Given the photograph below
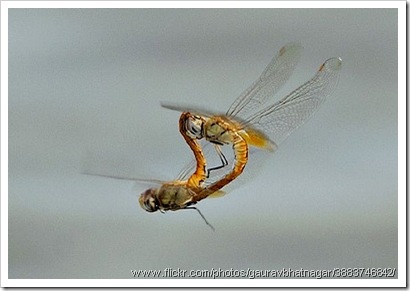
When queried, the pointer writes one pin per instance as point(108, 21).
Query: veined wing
point(284, 116)
point(272, 79)
point(280, 119)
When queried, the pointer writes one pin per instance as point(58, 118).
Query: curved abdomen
point(240, 148)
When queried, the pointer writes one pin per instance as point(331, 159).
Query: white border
point(4, 145)
point(202, 4)
point(204, 283)
point(400, 282)
point(401, 151)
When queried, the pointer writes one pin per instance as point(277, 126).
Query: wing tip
point(291, 48)
point(169, 105)
point(332, 64)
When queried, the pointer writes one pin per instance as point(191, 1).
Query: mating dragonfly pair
point(249, 121)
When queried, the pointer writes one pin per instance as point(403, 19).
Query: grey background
point(85, 84)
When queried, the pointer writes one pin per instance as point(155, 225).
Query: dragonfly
point(184, 191)
point(180, 193)
point(240, 127)
point(249, 122)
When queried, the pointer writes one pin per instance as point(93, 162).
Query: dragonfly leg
point(223, 160)
point(203, 217)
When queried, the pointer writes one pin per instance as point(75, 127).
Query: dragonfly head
point(149, 201)
point(194, 126)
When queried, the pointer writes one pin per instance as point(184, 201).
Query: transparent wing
point(187, 170)
point(121, 167)
point(138, 180)
point(284, 116)
point(187, 108)
point(272, 79)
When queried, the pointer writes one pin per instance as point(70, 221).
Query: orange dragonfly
point(240, 126)
point(184, 191)
point(249, 122)
point(181, 193)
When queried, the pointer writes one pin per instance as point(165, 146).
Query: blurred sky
point(86, 84)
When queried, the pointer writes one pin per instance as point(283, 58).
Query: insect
point(249, 122)
point(181, 193)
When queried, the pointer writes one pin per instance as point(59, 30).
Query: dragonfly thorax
point(174, 196)
point(219, 131)
point(170, 196)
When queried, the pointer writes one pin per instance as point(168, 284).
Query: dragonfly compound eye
point(194, 127)
point(148, 201)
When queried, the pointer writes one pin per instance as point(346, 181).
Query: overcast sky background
point(88, 83)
